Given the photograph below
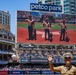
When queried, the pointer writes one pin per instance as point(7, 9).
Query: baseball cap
point(67, 55)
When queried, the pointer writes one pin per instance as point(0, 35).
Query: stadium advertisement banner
point(39, 61)
point(33, 72)
point(46, 7)
point(15, 72)
point(47, 72)
point(3, 72)
point(25, 60)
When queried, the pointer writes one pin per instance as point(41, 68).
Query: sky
point(12, 6)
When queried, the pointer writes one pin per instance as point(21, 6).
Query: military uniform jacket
point(65, 70)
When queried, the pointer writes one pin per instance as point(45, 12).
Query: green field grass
point(38, 25)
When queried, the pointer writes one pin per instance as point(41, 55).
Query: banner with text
point(16, 72)
point(46, 7)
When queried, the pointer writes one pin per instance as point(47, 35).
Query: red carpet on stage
point(22, 36)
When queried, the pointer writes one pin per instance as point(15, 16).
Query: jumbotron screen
point(45, 27)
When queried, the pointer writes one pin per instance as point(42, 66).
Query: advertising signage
point(46, 7)
point(16, 72)
point(47, 72)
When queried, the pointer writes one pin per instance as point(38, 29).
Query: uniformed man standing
point(31, 24)
point(63, 30)
point(47, 28)
point(66, 69)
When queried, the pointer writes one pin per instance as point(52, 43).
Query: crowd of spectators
point(5, 58)
point(73, 20)
point(7, 51)
point(40, 51)
point(7, 35)
point(38, 54)
point(68, 21)
point(23, 67)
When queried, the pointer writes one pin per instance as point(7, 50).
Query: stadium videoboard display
point(31, 27)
